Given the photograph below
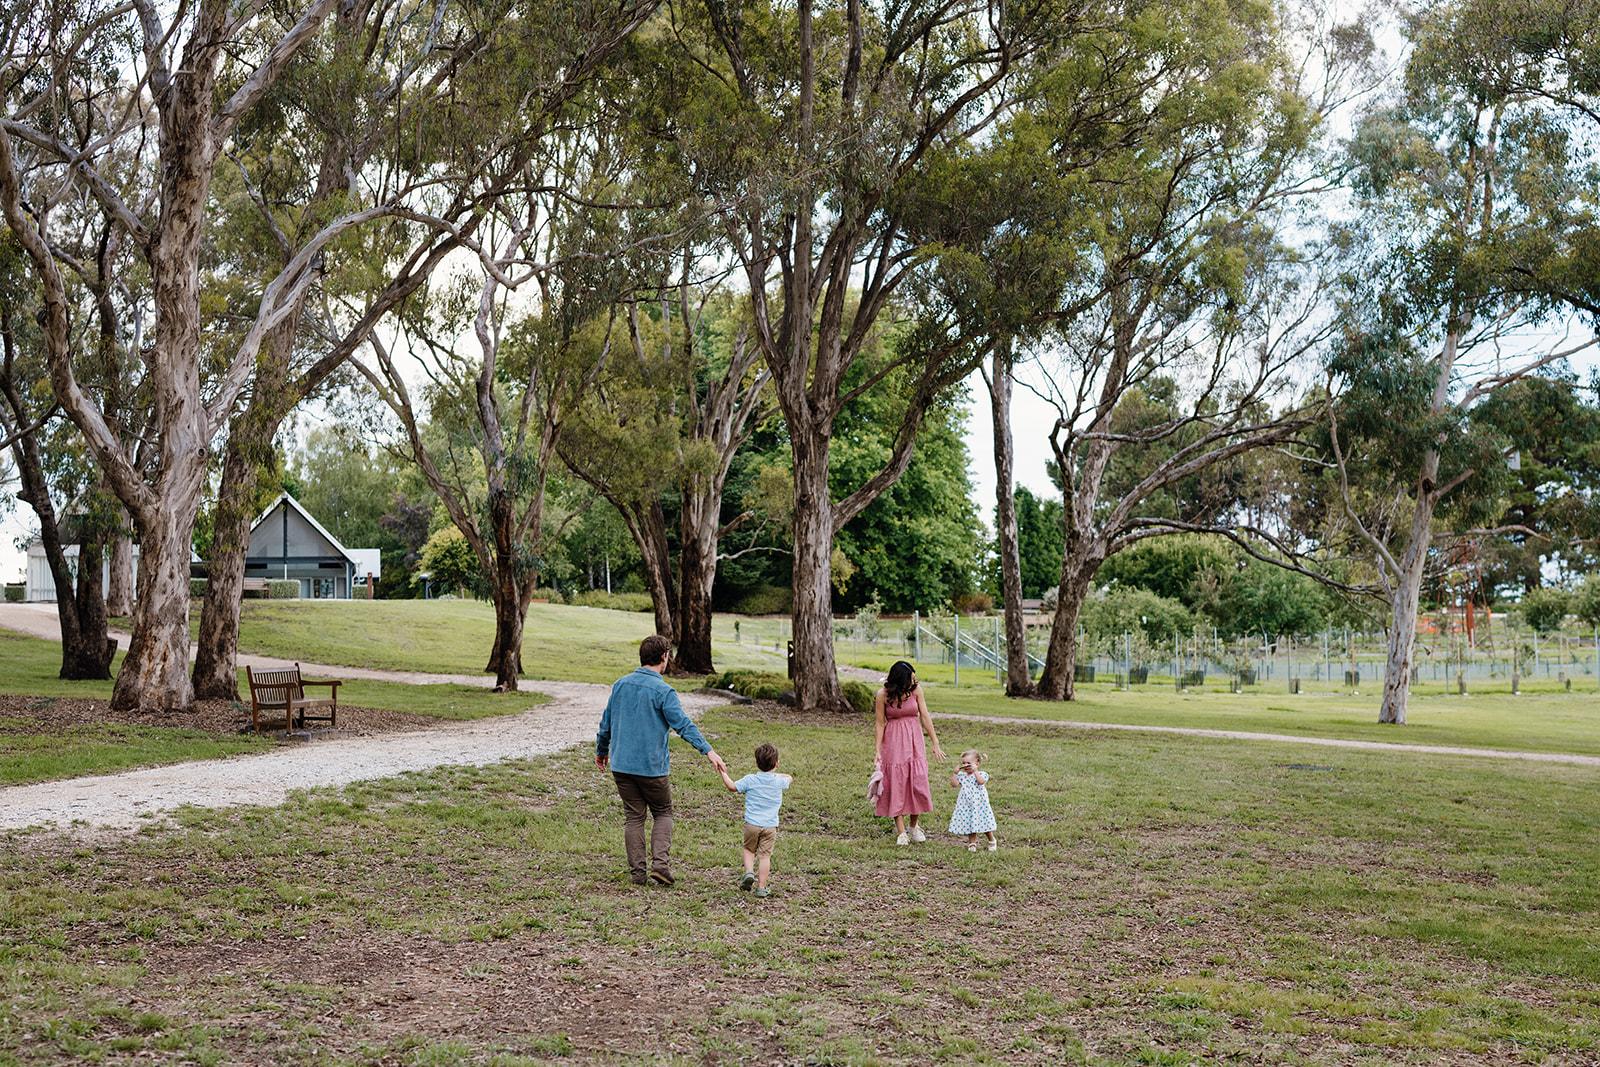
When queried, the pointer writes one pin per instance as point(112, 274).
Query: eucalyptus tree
point(434, 108)
point(499, 404)
point(667, 417)
point(1477, 207)
point(1177, 349)
point(48, 465)
point(807, 128)
point(168, 110)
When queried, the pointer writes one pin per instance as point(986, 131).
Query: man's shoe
point(902, 840)
point(763, 892)
point(638, 879)
point(917, 835)
point(747, 881)
point(662, 877)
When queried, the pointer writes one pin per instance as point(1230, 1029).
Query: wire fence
point(970, 650)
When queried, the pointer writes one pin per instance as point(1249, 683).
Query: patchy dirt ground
point(25, 714)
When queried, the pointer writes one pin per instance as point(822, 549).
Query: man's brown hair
point(653, 650)
point(767, 756)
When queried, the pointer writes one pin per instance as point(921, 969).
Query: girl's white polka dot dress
point(973, 815)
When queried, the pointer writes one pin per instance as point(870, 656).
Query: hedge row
point(277, 589)
point(15, 592)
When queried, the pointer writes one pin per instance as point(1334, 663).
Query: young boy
point(763, 796)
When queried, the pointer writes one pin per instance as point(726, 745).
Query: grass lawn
point(454, 637)
point(1541, 719)
point(29, 667)
point(1156, 900)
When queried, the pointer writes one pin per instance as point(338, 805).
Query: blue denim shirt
point(633, 730)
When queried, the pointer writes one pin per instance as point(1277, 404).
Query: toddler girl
point(973, 815)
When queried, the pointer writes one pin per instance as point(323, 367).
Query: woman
point(902, 716)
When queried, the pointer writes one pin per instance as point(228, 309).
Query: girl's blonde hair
point(977, 757)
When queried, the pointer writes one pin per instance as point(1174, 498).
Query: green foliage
point(450, 561)
point(15, 591)
point(758, 685)
point(973, 603)
point(765, 600)
point(1039, 541)
point(1544, 609)
point(860, 695)
point(918, 545)
point(1216, 581)
point(1552, 499)
point(1259, 598)
point(599, 598)
point(1171, 567)
point(197, 588)
point(283, 589)
point(1124, 610)
point(1586, 600)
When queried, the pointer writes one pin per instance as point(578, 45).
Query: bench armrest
point(334, 682)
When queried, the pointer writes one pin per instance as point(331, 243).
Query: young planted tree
point(811, 125)
point(1476, 199)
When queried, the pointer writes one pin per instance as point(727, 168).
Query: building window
point(322, 588)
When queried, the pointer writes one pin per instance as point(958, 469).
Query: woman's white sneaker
point(902, 840)
point(917, 835)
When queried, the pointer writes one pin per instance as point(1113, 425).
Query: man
point(632, 741)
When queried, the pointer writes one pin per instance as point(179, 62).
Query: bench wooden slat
point(283, 689)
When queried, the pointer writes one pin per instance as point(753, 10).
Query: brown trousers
point(639, 795)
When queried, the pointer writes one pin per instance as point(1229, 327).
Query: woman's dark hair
point(901, 683)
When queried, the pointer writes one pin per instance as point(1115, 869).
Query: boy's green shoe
point(763, 892)
point(748, 880)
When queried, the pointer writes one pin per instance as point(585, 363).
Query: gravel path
point(128, 800)
point(1292, 739)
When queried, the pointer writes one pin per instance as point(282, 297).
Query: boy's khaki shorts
point(760, 839)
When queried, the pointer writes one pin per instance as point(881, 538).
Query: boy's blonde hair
point(977, 757)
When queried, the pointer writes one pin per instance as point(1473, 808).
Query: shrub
point(868, 625)
point(15, 592)
point(758, 685)
point(197, 588)
point(974, 603)
point(283, 589)
point(550, 593)
point(1123, 610)
point(765, 600)
point(599, 598)
point(861, 696)
point(1586, 601)
point(1544, 609)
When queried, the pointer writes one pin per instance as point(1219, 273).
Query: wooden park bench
point(284, 690)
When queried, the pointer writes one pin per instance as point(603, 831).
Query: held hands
point(717, 762)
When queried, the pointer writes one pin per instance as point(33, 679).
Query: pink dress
point(905, 765)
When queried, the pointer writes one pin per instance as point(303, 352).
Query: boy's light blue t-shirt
point(763, 796)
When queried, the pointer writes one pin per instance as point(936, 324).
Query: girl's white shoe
point(994, 846)
point(902, 840)
point(917, 835)
point(972, 847)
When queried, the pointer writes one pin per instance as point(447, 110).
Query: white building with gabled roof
point(287, 542)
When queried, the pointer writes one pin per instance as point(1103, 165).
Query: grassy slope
point(30, 666)
point(1156, 900)
point(454, 637)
